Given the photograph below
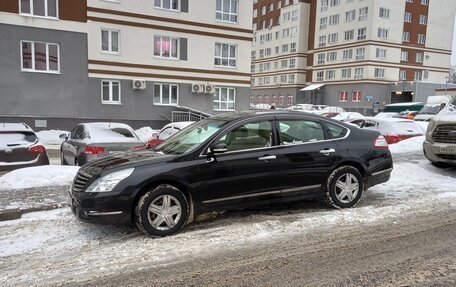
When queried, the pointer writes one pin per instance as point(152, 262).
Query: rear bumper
point(40, 160)
point(102, 208)
point(379, 177)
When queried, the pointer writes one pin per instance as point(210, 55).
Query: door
point(246, 172)
point(70, 147)
point(306, 155)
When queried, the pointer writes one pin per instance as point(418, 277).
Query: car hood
point(125, 160)
point(447, 115)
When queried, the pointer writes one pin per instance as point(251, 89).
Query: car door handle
point(267, 157)
point(328, 151)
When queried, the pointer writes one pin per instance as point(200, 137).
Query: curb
point(13, 214)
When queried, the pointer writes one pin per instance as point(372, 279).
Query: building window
point(347, 54)
point(166, 94)
point(323, 23)
point(290, 100)
point(402, 75)
point(421, 39)
point(291, 79)
point(349, 35)
point(321, 58)
point(283, 79)
point(424, 2)
point(330, 74)
point(322, 41)
point(362, 34)
point(379, 73)
point(224, 98)
point(346, 73)
point(253, 55)
point(284, 63)
point(227, 10)
point(380, 53)
point(294, 31)
point(404, 55)
point(292, 63)
point(384, 13)
point(167, 4)
point(406, 36)
point(267, 52)
point(418, 76)
point(294, 15)
point(334, 19)
point(324, 5)
point(343, 96)
point(225, 55)
point(166, 47)
point(419, 57)
point(363, 12)
point(320, 76)
point(333, 38)
point(40, 8)
point(332, 56)
point(286, 17)
point(40, 57)
point(285, 32)
point(359, 73)
point(360, 53)
point(285, 48)
point(423, 19)
point(292, 47)
point(382, 33)
point(110, 41)
point(110, 92)
point(350, 15)
point(408, 17)
point(334, 3)
point(356, 96)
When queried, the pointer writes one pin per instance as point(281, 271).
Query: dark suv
point(231, 161)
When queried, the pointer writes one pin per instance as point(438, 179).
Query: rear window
point(336, 131)
point(115, 133)
point(17, 138)
point(300, 131)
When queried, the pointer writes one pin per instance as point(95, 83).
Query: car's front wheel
point(162, 211)
point(440, 164)
point(344, 187)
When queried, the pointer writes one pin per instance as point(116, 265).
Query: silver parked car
point(90, 141)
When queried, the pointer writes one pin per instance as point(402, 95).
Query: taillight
point(37, 149)
point(393, 139)
point(94, 149)
point(380, 142)
point(140, 147)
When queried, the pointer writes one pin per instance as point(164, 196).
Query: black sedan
point(234, 160)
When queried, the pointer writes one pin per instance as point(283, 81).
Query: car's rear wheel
point(344, 187)
point(162, 211)
point(440, 164)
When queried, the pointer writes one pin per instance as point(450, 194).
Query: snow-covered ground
point(47, 175)
point(52, 246)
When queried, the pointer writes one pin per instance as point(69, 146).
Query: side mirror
point(218, 148)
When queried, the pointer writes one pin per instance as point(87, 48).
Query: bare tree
point(452, 75)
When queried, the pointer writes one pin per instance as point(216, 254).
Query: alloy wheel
point(164, 212)
point(347, 188)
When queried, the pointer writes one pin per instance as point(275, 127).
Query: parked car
point(385, 115)
point(167, 131)
point(393, 129)
point(20, 147)
point(432, 107)
point(233, 160)
point(440, 144)
point(400, 107)
point(90, 141)
point(330, 114)
point(409, 115)
point(346, 117)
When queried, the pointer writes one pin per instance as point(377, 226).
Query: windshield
point(430, 110)
point(191, 137)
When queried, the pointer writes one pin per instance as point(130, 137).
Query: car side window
point(300, 131)
point(336, 131)
point(249, 136)
point(74, 132)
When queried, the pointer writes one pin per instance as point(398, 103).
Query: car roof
point(231, 116)
point(179, 125)
point(106, 125)
point(17, 127)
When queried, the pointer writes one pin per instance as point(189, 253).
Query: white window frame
point(330, 74)
point(360, 56)
point(363, 16)
point(384, 13)
point(46, 12)
point(333, 38)
point(292, 63)
point(359, 73)
point(406, 36)
point(161, 103)
point(110, 101)
point(421, 39)
point(419, 57)
point(347, 54)
point(402, 74)
point(323, 23)
point(33, 70)
point(293, 47)
point(320, 75)
point(425, 2)
point(321, 58)
point(350, 15)
point(324, 4)
point(170, 48)
point(109, 51)
point(322, 41)
point(346, 73)
point(408, 17)
point(379, 73)
point(218, 92)
point(229, 58)
point(170, 5)
point(404, 55)
point(363, 35)
point(423, 20)
point(382, 33)
point(230, 13)
point(349, 35)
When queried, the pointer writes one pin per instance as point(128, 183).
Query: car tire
point(162, 211)
point(62, 159)
point(344, 187)
point(440, 164)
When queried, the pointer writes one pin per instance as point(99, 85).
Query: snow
point(51, 137)
point(411, 145)
point(145, 133)
point(29, 177)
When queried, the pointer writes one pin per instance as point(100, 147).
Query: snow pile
point(423, 125)
point(29, 177)
point(145, 133)
point(411, 145)
point(51, 137)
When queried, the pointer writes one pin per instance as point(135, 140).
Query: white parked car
point(345, 117)
point(166, 132)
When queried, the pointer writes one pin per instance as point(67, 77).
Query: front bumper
point(432, 152)
point(102, 208)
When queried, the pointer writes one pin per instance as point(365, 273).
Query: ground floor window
point(166, 94)
point(40, 57)
point(356, 96)
point(224, 98)
point(110, 92)
point(343, 96)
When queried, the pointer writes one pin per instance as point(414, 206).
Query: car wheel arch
point(153, 184)
point(354, 163)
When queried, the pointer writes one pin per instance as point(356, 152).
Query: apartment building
point(366, 51)
point(136, 61)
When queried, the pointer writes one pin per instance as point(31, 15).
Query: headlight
point(109, 181)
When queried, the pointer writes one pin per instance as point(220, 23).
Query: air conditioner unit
point(197, 88)
point(139, 84)
point(209, 88)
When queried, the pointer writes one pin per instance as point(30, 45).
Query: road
point(420, 251)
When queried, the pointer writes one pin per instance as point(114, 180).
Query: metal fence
point(178, 116)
